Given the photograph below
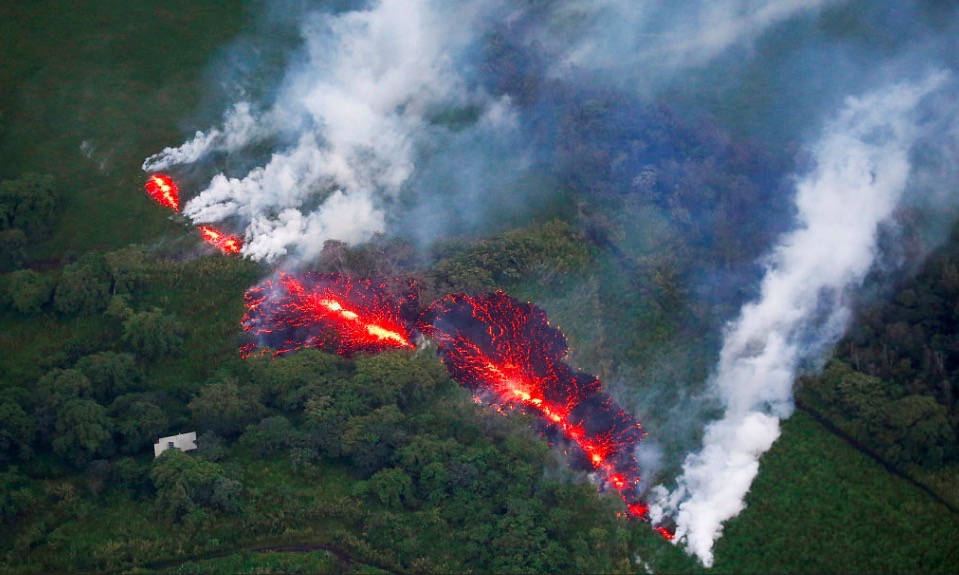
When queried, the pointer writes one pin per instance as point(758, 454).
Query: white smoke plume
point(239, 130)
point(862, 170)
point(355, 110)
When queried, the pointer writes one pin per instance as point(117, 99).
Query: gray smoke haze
point(646, 43)
point(428, 118)
point(375, 88)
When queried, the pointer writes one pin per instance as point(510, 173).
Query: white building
point(183, 442)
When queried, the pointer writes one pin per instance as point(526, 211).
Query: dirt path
point(858, 446)
point(346, 562)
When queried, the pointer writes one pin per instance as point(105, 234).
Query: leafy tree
point(433, 482)
point(186, 483)
point(83, 430)
point(519, 540)
point(182, 482)
point(226, 408)
point(29, 290)
point(139, 422)
point(393, 487)
point(911, 342)
point(910, 429)
point(99, 473)
point(423, 450)
point(210, 446)
point(370, 440)
point(289, 381)
point(65, 384)
point(153, 334)
point(13, 254)
point(550, 249)
point(129, 473)
point(110, 373)
point(305, 461)
point(393, 377)
point(127, 267)
point(920, 432)
point(323, 432)
point(227, 494)
point(17, 431)
point(28, 203)
point(860, 396)
point(16, 496)
point(269, 436)
point(84, 287)
point(119, 307)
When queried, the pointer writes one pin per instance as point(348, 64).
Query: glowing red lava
point(665, 533)
point(506, 352)
point(503, 350)
point(226, 244)
point(325, 311)
point(164, 191)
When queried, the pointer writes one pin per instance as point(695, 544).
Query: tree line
point(894, 381)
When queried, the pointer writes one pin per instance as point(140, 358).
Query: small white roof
point(182, 441)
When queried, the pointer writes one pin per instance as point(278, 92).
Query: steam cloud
point(863, 168)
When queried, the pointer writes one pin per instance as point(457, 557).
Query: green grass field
point(820, 506)
point(89, 89)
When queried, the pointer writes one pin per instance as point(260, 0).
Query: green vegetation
point(380, 460)
point(113, 332)
point(894, 384)
point(270, 561)
point(815, 495)
point(89, 89)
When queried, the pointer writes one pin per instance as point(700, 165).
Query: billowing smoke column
point(362, 97)
point(862, 170)
point(325, 311)
point(509, 356)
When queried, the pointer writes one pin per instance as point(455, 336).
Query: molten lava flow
point(227, 244)
point(665, 533)
point(503, 350)
point(325, 311)
point(164, 190)
point(509, 356)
